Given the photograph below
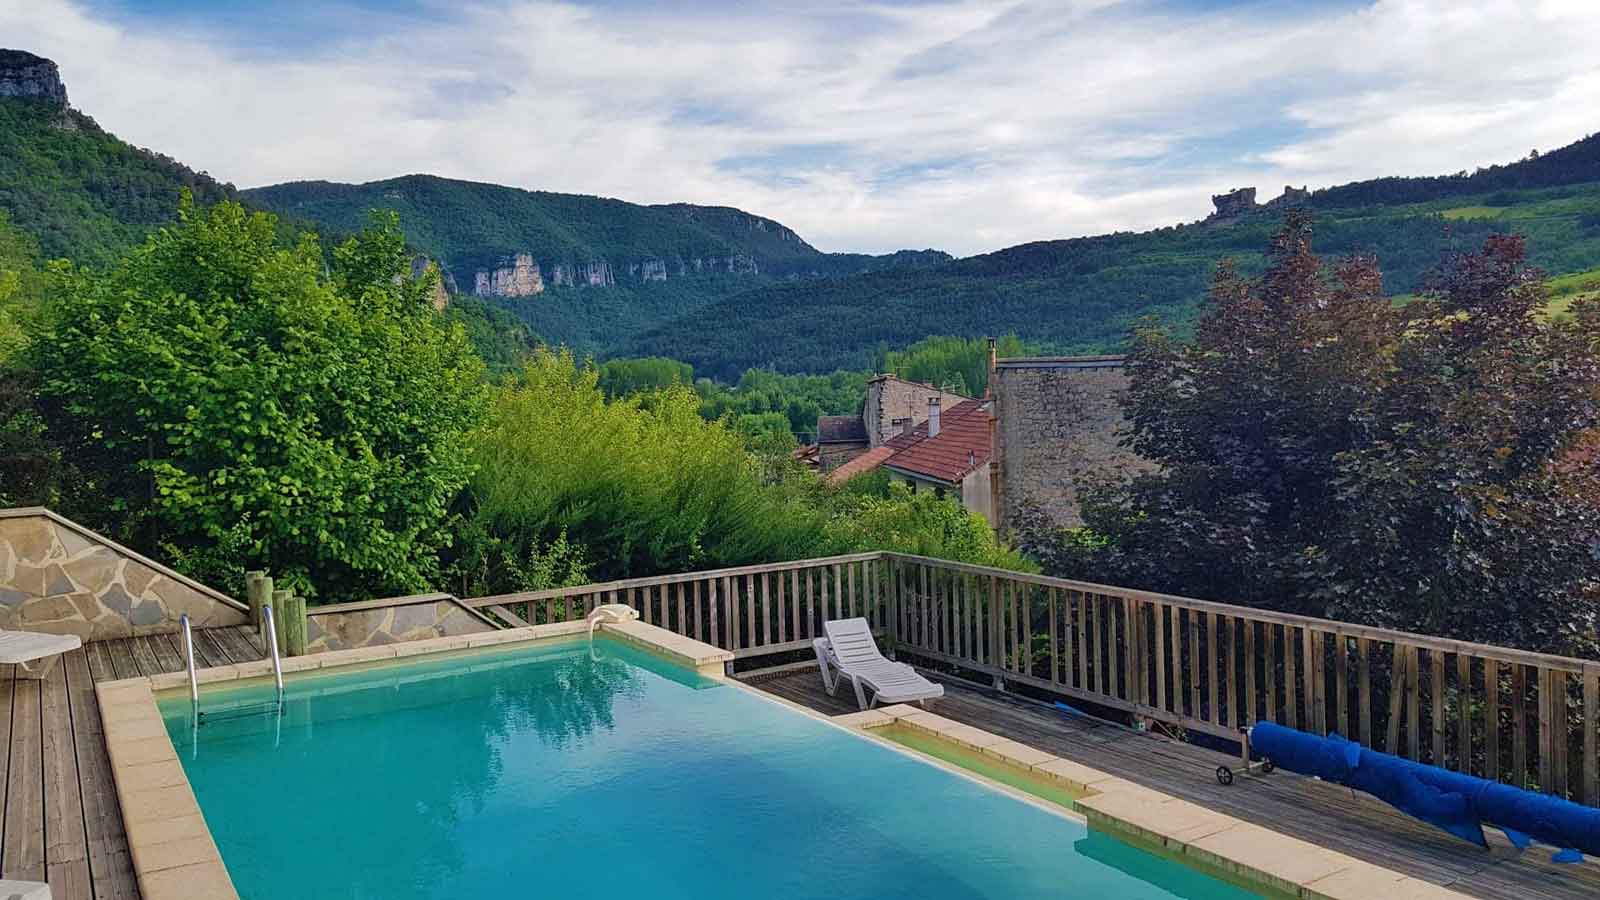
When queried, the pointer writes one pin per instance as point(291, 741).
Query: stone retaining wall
point(390, 621)
point(58, 577)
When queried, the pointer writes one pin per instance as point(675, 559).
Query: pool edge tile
point(170, 847)
point(1211, 839)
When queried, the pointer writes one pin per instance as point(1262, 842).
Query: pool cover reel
point(1459, 804)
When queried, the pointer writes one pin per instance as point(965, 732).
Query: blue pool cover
point(1459, 804)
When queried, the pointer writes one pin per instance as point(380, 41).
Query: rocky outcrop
point(1236, 203)
point(24, 75)
point(522, 276)
point(589, 274)
point(648, 270)
point(441, 291)
point(1291, 197)
point(1233, 204)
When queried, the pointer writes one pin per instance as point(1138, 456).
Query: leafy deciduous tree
point(246, 408)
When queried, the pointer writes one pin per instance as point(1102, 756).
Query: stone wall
point(890, 398)
point(1059, 419)
point(391, 621)
point(835, 454)
point(59, 577)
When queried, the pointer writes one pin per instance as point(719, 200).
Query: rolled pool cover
point(1459, 804)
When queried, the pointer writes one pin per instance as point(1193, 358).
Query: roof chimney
point(933, 417)
point(906, 424)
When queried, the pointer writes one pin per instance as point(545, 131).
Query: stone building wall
point(59, 577)
point(391, 621)
point(833, 455)
point(1058, 419)
point(890, 398)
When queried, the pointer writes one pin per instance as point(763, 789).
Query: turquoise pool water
point(545, 772)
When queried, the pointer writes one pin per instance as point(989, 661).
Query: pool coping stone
point(1188, 832)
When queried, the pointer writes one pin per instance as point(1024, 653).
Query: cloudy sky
point(967, 126)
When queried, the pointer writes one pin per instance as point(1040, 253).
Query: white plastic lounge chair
point(35, 652)
point(850, 649)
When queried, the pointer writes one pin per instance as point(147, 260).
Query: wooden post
point(294, 626)
point(265, 598)
point(280, 604)
point(253, 583)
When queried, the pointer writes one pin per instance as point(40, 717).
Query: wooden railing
point(752, 610)
point(1529, 719)
point(1523, 718)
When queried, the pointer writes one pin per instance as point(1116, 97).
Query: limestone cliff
point(24, 75)
point(518, 277)
point(442, 285)
point(523, 275)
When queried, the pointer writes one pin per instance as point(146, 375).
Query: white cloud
point(962, 125)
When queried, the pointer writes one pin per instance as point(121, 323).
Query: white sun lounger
point(850, 649)
point(24, 890)
point(33, 651)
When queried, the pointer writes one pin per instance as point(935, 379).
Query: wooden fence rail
point(1523, 718)
point(752, 610)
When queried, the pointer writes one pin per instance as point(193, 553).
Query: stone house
point(892, 401)
point(1058, 419)
point(948, 454)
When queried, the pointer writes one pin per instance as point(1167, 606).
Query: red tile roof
point(866, 462)
point(961, 445)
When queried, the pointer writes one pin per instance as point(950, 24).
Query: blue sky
point(963, 125)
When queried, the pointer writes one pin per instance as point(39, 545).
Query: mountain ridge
point(510, 242)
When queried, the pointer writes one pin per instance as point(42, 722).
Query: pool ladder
point(275, 706)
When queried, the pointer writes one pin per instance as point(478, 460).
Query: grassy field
point(1566, 289)
point(1473, 212)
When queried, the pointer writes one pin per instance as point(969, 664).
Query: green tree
point(1323, 452)
point(621, 377)
point(959, 365)
point(642, 482)
point(19, 288)
point(243, 407)
point(1464, 510)
point(920, 524)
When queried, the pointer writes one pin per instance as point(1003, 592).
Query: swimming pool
point(550, 770)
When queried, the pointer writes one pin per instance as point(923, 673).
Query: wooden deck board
point(1323, 814)
point(22, 856)
point(59, 817)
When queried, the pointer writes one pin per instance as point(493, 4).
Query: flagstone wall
point(390, 621)
point(59, 577)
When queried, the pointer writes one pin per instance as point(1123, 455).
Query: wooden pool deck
point(1323, 814)
point(61, 822)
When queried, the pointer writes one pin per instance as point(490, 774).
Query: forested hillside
point(1083, 295)
point(588, 272)
point(81, 192)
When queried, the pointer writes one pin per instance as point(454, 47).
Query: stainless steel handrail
point(188, 649)
point(272, 644)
